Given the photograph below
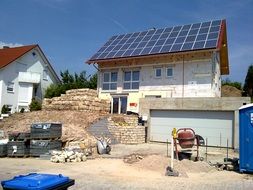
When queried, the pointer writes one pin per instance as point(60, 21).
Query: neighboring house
point(171, 77)
point(25, 73)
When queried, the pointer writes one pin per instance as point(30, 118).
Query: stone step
point(100, 129)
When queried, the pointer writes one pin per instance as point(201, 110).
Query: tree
point(69, 81)
point(66, 77)
point(93, 81)
point(248, 84)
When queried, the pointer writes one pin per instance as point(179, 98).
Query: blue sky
point(70, 31)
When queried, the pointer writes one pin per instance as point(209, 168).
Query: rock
point(69, 153)
point(84, 158)
point(61, 159)
point(54, 159)
point(68, 156)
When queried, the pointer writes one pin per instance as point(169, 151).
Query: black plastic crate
point(46, 130)
point(3, 150)
point(39, 147)
point(18, 148)
point(19, 136)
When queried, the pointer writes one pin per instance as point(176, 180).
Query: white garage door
point(216, 126)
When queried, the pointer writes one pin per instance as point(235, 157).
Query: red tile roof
point(8, 55)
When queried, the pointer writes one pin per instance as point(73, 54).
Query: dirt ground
point(72, 121)
point(111, 172)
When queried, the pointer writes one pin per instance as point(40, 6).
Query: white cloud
point(117, 23)
point(9, 44)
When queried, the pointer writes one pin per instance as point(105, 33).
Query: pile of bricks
point(78, 99)
point(126, 129)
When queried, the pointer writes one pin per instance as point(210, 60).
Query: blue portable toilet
point(246, 138)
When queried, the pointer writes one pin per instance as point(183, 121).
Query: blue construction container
point(246, 138)
point(37, 181)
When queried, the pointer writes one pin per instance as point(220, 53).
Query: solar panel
point(172, 39)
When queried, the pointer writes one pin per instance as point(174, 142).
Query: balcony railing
point(29, 77)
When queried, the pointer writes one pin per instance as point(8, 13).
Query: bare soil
point(230, 91)
point(74, 122)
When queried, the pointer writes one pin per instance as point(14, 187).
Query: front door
point(119, 105)
point(25, 93)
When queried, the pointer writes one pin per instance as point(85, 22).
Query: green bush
point(35, 105)
point(5, 109)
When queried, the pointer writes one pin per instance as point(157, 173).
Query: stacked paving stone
point(126, 130)
point(78, 99)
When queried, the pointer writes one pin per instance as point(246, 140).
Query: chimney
point(6, 47)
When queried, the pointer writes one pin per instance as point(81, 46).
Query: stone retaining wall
point(77, 99)
point(128, 132)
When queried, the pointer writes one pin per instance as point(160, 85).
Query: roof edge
point(32, 46)
point(147, 56)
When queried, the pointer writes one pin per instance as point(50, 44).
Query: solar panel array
point(197, 36)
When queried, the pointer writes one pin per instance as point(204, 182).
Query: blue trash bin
point(37, 181)
point(246, 138)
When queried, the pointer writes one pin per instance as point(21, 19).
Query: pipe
point(98, 77)
point(172, 153)
point(183, 79)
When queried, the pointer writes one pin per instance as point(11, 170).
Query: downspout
point(98, 77)
point(183, 79)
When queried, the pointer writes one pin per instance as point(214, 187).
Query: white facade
point(25, 78)
point(189, 78)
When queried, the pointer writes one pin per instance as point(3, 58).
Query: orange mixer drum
point(186, 137)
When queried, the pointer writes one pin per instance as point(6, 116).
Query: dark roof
point(8, 55)
point(190, 37)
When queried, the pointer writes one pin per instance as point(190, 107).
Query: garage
point(217, 126)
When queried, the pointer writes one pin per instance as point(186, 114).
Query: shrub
point(5, 109)
point(35, 105)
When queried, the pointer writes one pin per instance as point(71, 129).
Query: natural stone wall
point(126, 129)
point(77, 99)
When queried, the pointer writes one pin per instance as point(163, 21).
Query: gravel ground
point(112, 173)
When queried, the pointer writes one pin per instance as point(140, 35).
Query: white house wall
point(9, 74)
point(37, 64)
point(1, 86)
point(198, 78)
point(27, 63)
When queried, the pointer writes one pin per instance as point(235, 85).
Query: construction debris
point(230, 164)
point(132, 158)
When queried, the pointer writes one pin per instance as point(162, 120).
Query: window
point(10, 87)
point(110, 81)
point(169, 72)
point(131, 80)
point(45, 74)
point(158, 72)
